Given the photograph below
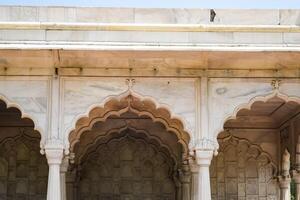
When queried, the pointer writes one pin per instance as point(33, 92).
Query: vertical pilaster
point(54, 147)
point(185, 177)
point(63, 170)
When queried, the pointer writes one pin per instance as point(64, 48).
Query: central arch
point(128, 148)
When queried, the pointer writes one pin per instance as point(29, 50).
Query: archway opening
point(251, 149)
point(128, 149)
point(23, 170)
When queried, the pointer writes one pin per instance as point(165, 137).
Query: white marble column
point(284, 185)
point(203, 158)
point(54, 154)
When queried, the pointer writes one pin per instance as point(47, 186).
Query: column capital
point(205, 144)
point(203, 157)
point(284, 181)
point(54, 152)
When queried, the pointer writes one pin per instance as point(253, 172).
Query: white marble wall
point(80, 95)
point(227, 96)
point(31, 96)
point(141, 15)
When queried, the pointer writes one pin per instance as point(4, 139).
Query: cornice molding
point(146, 27)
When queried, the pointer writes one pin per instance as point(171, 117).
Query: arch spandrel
point(131, 102)
point(240, 98)
point(25, 115)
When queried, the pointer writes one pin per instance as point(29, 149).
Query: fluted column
point(54, 154)
point(203, 158)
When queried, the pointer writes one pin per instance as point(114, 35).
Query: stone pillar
point(185, 178)
point(194, 182)
point(284, 184)
point(178, 188)
point(203, 158)
point(296, 172)
point(63, 170)
point(285, 178)
point(54, 154)
point(296, 177)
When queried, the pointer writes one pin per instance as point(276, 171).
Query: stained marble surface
point(80, 95)
point(31, 96)
point(150, 15)
point(227, 95)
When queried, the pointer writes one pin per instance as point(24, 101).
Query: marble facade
point(151, 104)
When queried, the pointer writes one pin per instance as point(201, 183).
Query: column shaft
point(297, 191)
point(53, 192)
point(54, 154)
point(204, 191)
point(63, 185)
point(203, 160)
point(284, 184)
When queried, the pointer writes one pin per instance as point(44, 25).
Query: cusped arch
point(134, 103)
point(24, 115)
point(253, 151)
point(248, 106)
point(119, 133)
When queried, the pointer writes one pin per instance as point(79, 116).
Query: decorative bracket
point(276, 84)
point(130, 82)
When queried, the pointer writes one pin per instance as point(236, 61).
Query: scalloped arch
point(137, 104)
point(250, 145)
point(24, 115)
point(119, 131)
point(248, 106)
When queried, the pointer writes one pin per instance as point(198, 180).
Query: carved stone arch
point(23, 115)
point(21, 154)
point(249, 170)
point(119, 133)
point(137, 104)
point(120, 139)
point(248, 106)
point(253, 150)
